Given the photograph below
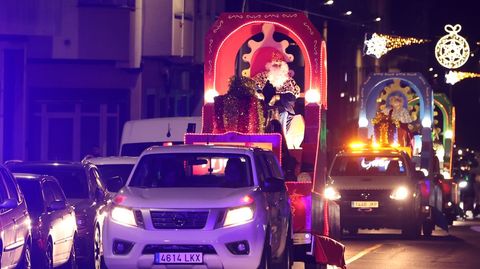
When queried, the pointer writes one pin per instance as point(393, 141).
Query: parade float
point(252, 98)
point(443, 137)
point(397, 110)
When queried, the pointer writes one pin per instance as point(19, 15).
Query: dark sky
point(466, 94)
point(412, 18)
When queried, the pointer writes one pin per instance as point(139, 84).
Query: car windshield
point(72, 179)
point(136, 149)
point(368, 166)
point(33, 194)
point(112, 170)
point(186, 170)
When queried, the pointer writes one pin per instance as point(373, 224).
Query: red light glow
point(119, 199)
point(247, 199)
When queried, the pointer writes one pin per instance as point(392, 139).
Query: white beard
point(277, 76)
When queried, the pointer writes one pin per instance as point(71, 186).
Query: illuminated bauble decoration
point(452, 50)
point(453, 77)
point(379, 45)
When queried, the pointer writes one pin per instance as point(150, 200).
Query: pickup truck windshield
point(368, 166)
point(187, 170)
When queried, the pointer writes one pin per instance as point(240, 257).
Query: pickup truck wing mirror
point(57, 205)
point(274, 185)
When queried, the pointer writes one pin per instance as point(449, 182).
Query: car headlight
point(331, 194)
point(400, 193)
point(239, 215)
point(123, 215)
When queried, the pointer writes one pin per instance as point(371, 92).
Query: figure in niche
point(278, 75)
point(396, 110)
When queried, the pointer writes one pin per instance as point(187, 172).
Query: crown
point(277, 56)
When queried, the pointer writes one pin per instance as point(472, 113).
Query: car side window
point(48, 193)
point(262, 170)
point(274, 165)
point(3, 189)
point(96, 179)
point(56, 190)
point(10, 185)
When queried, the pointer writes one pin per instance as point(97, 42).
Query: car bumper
point(389, 214)
point(221, 257)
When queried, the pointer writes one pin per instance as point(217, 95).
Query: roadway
point(385, 249)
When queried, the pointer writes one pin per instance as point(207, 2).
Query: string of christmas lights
point(379, 44)
point(453, 77)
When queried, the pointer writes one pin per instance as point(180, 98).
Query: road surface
point(385, 249)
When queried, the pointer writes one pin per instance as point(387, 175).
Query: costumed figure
point(280, 77)
point(384, 128)
point(397, 111)
point(239, 109)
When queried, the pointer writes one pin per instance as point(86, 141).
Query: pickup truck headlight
point(400, 193)
point(239, 215)
point(123, 215)
point(331, 194)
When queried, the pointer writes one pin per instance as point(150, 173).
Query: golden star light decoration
point(379, 44)
point(452, 50)
point(453, 77)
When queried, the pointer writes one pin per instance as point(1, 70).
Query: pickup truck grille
point(179, 219)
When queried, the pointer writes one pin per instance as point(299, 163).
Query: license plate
point(175, 257)
point(364, 204)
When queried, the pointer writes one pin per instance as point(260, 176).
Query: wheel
point(286, 261)
point(72, 260)
point(412, 230)
point(48, 260)
point(428, 228)
point(97, 251)
point(266, 262)
point(310, 263)
point(26, 260)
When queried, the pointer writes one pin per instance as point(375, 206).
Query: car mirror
point(419, 176)
point(57, 205)
point(8, 204)
point(114, 184)
point(274, 185)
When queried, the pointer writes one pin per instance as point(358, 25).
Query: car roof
point(112, 160)
point(198, 149)
point(30, 177)
point(371, 152)
point(43, 163)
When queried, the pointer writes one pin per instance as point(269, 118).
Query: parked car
point(113, 171)
point(82, 189)
point(15, 224)
point(53, 221)
point(222, 207)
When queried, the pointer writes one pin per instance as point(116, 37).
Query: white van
point(138, 135)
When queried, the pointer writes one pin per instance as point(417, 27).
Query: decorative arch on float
point(232, 30)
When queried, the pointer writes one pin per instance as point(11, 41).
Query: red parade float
point(233, 114)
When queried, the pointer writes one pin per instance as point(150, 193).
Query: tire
point(310, 263)
point(26, 260)
point(286, 261)
point(428, 228)
point(48, 259)
point(412, 230)
point(72, 260)
point(99, 262)
point(266, 262)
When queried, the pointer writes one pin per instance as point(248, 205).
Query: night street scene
point(239, 134)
